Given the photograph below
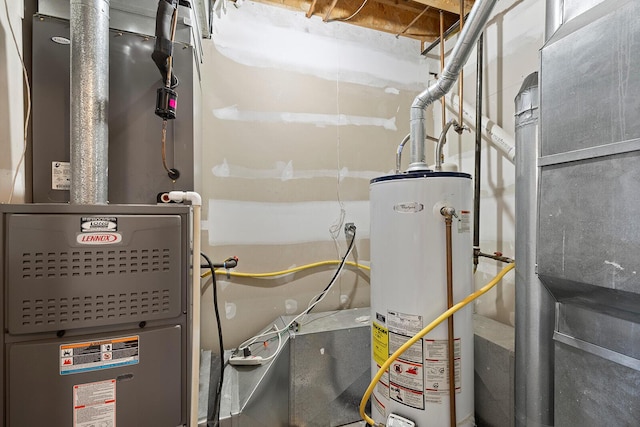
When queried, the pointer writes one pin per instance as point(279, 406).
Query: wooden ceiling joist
point(413, 22)
point(312, 8)
point(451, 6)
point(417, 19)
point(328, 14)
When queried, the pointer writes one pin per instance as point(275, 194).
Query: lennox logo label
point(99, 238)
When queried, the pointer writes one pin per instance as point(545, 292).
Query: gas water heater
point(409, 290)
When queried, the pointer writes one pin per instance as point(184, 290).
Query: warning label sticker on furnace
point(436, 366)
point(95, 355)
point(94, 404)
point(380, 343)
point(406, 375)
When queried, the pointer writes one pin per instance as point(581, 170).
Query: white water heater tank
point(409, 290)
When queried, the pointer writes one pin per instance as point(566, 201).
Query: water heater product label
point(380, 343)
point(96, 355)
point(60, 175)
point(94, 404)
point(406, 378)
point(464, 222)
point(436, 366)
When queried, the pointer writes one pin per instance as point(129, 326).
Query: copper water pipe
point(448, 214)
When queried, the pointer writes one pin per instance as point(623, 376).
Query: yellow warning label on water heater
point(380, 343)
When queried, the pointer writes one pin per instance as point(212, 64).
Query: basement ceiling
point(416, 19)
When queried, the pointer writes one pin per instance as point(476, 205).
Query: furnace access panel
point(94, 310)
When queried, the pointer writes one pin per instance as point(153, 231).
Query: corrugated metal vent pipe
point(474, 26)
point(89, 101)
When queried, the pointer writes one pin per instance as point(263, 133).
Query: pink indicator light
point(173, 102)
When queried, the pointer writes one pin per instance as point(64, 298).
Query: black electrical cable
point(335, 276)
point(220, 341)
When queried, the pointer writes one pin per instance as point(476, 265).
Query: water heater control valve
point(397, 421)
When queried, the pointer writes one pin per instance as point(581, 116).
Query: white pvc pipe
point(196, 203)
point(504, 142)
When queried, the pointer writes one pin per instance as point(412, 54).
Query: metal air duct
point(90, 101)
point(534, 304)
point(474, 26)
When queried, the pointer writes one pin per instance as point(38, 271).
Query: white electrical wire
point(334, 229)
point(277, 350)
point(273, 331)
point(26, 119)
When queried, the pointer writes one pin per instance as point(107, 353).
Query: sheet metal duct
point(474, 26)
point(534, 303)
point(90, 95)
point(588, 233)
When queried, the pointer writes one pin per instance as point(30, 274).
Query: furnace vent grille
point(119, 307)
point(80, 263)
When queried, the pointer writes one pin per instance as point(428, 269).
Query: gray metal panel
point(573, 8)
point(329, 373)
point(317, 379)
point(137, 16)
point(592, 391)
point(588, 231)
point(589, 88)
point(255, 395)
point(136, 174)
point(494, 366)
point(56, 283)
point(588, 235)
point(148, 394)
point(601, 326)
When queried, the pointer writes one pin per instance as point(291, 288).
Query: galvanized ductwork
point(478, 18)
point(90, 101)
point(534, 303)
point(587, 373)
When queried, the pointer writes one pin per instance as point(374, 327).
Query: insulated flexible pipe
point(478, 17)
point(422, 333)
point(196, 203)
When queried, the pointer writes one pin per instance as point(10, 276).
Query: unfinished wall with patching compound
point(298, 116)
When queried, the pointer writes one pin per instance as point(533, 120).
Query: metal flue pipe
point(478, 17)
point(90, 101)
point(443, 140)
